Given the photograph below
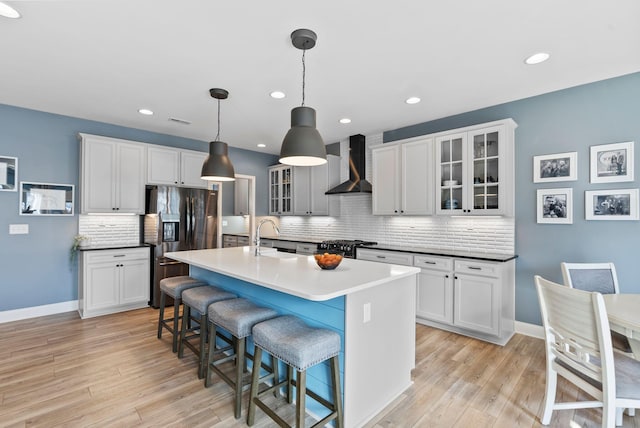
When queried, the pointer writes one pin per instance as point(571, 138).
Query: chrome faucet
point(257, 241)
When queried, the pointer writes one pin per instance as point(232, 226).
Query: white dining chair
point(578, 348)
point(600, 277)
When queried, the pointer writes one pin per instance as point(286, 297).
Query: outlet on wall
point(18, 229)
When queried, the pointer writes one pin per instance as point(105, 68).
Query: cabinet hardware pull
point(475, 268)
point(381, 257)
point(429, 263)
point(446, 276)
point(119, 255)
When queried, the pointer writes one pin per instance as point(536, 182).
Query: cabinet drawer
point(229, 241)
point(433, 262)
point(243, 240)
point(306, 248)
point(392, 257)
point(101, 256)
point(477, 268)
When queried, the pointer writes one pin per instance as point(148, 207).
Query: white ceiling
point(104, 59)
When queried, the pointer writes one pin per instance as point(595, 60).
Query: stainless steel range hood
point(357, 184)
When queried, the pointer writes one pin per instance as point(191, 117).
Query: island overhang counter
point(371, 305)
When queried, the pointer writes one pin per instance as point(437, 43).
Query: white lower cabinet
point(113, 281)
point(471, 297)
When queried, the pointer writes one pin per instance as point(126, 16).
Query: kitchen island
point(371, 305)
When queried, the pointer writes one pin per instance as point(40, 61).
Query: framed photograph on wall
point(555, 206)
point(8, 174)
point(612, 163)
point(620, 204)
point(46, 199)
point(555, 167)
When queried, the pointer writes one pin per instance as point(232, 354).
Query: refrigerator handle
point(193, 222)
point(188, 220)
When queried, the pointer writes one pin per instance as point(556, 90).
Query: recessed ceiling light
point(277, 95)
point(537, 58)
point(8, 12)
point(261, 145)
point(345, 120)
point(145, 111)
point(412, 100)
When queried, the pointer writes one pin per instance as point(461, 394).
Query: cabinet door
point(286, 174)
point(416, 178)
point(241, 196)
point(163, 166)
point(102, 285)
point(477, 303)
point(130, 183)
point(191, 169)
point(486, 171)
point(98, 166)
point(274, 191)
point(319, 202)
point(435, 296)
point(301, 193)
point(450, 173)
point(134, 281)
point(385, 167)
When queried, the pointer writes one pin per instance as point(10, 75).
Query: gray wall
point(563, 121)
point(35, 268)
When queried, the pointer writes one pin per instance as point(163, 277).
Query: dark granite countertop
point(492, 257)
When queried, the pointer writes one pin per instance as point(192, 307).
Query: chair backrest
point(600, 277)
point(577, 339)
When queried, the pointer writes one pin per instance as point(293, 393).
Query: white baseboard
point(527, 329)
point(38, 311)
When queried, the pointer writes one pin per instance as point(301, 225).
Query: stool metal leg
point(337, 395)
point(161, 314)
point(301, 396)
point(253, 396)
point(176, 316)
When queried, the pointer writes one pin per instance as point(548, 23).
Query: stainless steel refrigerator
point(177, 219)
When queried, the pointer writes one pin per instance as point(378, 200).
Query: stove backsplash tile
point(488, 235)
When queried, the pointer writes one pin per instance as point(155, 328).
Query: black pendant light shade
point(217, 166)
point(303, 145)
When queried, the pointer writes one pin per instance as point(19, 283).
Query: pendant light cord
point(218, 134)
point(304, 72)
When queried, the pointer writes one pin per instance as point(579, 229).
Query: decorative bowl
point(328, 259)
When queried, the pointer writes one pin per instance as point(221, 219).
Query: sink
point(277, 255)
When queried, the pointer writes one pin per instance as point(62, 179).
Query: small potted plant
point(79, 241)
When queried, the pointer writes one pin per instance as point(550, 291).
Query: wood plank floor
point(112, 371)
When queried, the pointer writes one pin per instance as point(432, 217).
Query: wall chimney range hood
point(357, 184)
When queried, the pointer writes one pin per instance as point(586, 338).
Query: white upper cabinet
point(175, 167)
point(475, 170)
point(281, 190)
point(310, 184)
point(112, 174)
point(402, 177)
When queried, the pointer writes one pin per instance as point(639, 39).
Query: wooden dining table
point(623, 311)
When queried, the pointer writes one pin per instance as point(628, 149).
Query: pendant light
point(217, 166)
point(303, 145)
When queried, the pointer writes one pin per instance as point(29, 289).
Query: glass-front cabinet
point(474, 171)
point(281, 190)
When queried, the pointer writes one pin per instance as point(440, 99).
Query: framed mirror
point(8, 174)
point(46, 199)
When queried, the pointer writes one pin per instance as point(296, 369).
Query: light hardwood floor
point(112, 371)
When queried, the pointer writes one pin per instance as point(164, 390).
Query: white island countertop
point(298, 275)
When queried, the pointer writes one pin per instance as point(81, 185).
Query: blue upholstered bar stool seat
point(173, 287)
point(237, 316)
point(198, 299)
point(299, 346)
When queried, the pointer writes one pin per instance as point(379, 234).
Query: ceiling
point(104, 59)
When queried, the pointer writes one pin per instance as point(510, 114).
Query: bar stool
point(299, 346)
point(173, 287)
point(198, 299)
point(237, 316)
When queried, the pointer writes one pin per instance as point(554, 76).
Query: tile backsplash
point(110, 230)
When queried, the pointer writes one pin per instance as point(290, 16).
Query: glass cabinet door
point(486, 179)
point(287, 190)
point(451, 172)
point(274, 191)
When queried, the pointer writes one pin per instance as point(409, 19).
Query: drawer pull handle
point(381, 257)
point(119, 255)
point(475, 268)
point(429, 263)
